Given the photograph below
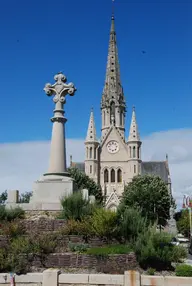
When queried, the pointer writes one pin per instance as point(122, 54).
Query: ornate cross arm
point(60, 89)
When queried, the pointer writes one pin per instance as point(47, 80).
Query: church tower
point(113, 105)
point(91, 152)
point(134, 147)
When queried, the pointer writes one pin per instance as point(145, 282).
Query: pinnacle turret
point(91, 132)
point(134, 132)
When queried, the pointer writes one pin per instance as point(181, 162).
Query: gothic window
point(121, 118)
point(91, 153)
point(104, 118)
point(112, 110)
point(138, 152)
point(112, 176)
point(134, 152)
point(91, 169)
point(87, 152)
point(119, 176)
point(106, 176)
point(130, 151)
point(135, 169)
point(95, 152)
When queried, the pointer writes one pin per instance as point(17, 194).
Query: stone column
point(57, 163)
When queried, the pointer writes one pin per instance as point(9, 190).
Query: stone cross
point(57, 164)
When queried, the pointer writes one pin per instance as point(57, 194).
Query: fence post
point(132, 278)
point(51, 277)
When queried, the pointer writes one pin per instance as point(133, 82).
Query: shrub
point(104, 223)
point(155, 250)
point(151, 271)
point(75, 207)
point(183, 270)
point(11, 214)
point(74, 227)
point(110, 249)
point(2, 212)
point(78, 247)
point(12, 229)
point(131, 224)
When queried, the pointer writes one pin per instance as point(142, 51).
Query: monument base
point(49, 190)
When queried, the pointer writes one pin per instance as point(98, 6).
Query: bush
point(151, 271)
point(11, 214)
point(78, 247)
point(74, 227)
point(75, 207)
point(12, 229)
point(155, 250)
point(110, 249)
point(184, 270)
point(131, 224)
point(104, 223)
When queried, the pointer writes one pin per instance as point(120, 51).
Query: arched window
point(134, 169)
point(112, 176)
point(130, 151)
point(112, 111)
point(91, 169)
point(106, 176)
point(90, 153)
point(119, 176)
point(138, 153)
point(104, 118)
point(121, 118)
point(87, 152)
point(134, 152)
point(95, 152)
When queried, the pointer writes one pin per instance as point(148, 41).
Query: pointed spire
point(134, 132)
point(113, 88)
point(91, 132)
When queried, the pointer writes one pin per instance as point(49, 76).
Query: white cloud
point(22, 163)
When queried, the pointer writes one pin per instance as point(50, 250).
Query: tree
point(150, 195)
point(3, 198)
point(84, 182)
point(25, 197)
point(183, 225)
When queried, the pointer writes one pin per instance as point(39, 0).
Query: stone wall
point(116, 263)
point(52, 277)
point(43, 225)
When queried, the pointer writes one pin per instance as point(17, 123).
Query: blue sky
point(40, 38)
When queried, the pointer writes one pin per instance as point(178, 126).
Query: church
point(114, 160)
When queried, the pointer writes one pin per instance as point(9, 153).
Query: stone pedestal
point(47, 194)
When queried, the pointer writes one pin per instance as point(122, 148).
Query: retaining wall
point(52, 277)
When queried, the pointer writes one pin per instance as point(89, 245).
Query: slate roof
point(156, 168)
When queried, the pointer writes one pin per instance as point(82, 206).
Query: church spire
point(91, 132)
point(134, 132)
point(113, 102)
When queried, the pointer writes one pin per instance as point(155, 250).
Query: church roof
point(155, 168)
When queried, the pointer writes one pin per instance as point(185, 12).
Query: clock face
point(113, 147)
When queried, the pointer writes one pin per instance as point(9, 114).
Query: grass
point(110, 249)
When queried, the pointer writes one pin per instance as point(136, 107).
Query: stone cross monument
point(56, 183)
point(57, 164)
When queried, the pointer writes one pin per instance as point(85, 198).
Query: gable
point(121, 155)
point(112, 200)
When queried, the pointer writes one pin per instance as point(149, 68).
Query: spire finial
point(113, 9)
